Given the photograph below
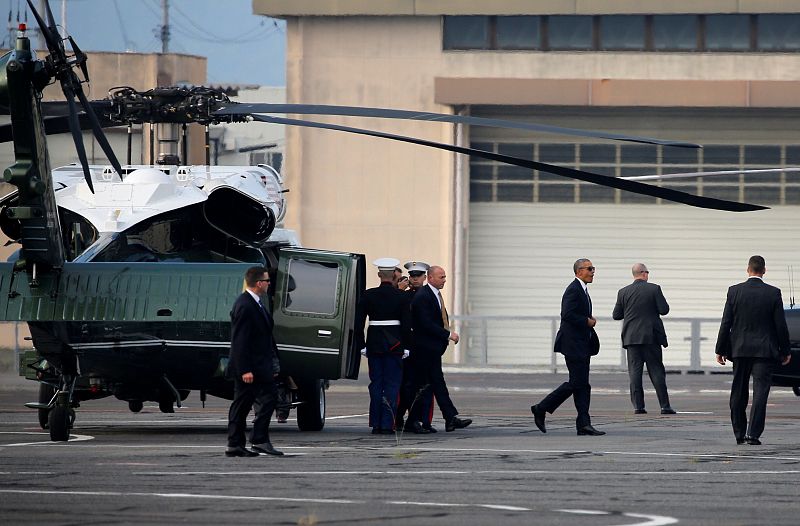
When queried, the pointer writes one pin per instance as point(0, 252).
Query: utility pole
point(165, 26)
point(64, 17)
point(40, 41)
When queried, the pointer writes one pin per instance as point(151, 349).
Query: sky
point(242, 48)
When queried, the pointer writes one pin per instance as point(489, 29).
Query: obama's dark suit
point(578, 343)
point(753, 334)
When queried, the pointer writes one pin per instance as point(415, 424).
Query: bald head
point(639, 271)
point(436, 277)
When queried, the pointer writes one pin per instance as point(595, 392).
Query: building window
point(778, 33)
point(518, 32)
point(466, 32)
point(567, 32)
point(660, 33)
point(622, 32)
point(491, 181)
point(674, 32)
point(727, 32)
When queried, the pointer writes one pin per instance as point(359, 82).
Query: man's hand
point(247, 378)
point(591, 322)
point(406, 354)
point(454, 337)
point(720, 359)
point(786, 359)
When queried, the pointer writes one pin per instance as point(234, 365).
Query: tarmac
point(155, 468)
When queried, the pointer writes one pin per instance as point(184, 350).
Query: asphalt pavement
point(155, 468)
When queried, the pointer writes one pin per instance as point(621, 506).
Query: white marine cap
point(386, 263)
point(417, 266)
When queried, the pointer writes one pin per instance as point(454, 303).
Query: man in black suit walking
point(578, 342)
point(432, 335)
point(641, 305)
point(253, 365)
point(754, 336)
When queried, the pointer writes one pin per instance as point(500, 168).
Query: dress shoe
point(418, 429)
point(740, 441)
point(752, 441)
point(639, 412)
point(239, 452)
point(538, 417)
point(430, 428)
point(668, 411)
point(590, 431)
point(267, 449)
point(377, 431)
point(457, 423)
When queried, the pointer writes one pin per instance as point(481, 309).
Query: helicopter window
point(778, 32)
point(77, 231)
point(674, 32)
point(466, 32)
point(728, 32)
point(518, 32)
point(314, 287)
point(621, 32)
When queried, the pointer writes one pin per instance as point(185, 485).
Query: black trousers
point(761, 371)
point(638, 355)
point(429, 377)
point(264, 395)
point(577, 387)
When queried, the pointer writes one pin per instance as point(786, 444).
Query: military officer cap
point(416, 267)
point(386, 264)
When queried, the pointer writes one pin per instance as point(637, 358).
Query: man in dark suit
point(253, 365)
point(754, 336)
point(641, 305)
point(578, 342)
point(432, 335)
point(387, 343)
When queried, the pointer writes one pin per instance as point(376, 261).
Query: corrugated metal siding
point(520, 260)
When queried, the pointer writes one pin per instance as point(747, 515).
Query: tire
point(311, 413)
point(46, 393)
point(59, 421)
point(167, 406)
point(135, 405)
point(796, 390)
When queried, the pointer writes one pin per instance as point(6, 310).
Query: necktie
point(590, 301)
point(445, 318)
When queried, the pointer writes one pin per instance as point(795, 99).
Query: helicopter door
point(314, 310)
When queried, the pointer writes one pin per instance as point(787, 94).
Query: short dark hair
point(254, 274)
point(757, 264)
point(577, 264)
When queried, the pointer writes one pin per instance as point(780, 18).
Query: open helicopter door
point(315, 311)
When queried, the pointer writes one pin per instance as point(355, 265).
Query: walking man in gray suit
point(754, 336)
point(641, 305)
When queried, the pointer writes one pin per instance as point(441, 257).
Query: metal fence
point(527, 341)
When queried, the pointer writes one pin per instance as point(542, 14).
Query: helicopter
point(126, 272)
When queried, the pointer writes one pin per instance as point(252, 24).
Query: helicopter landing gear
point(135, 405)
point(166, 405)
point(62, 415)
point(796, 390)
point(311, 413)
point(47, 394)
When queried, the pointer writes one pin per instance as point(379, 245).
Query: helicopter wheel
point(167, 406)
point(311, 413)
point(46, 393)
point(61, 419)
point(796, 390)
point(135, 405)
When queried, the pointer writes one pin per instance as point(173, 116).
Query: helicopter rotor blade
point(97, 129)
point(77, 137)
point(604, 180)
point(354, 111)
point(685, 175)
point(50, 39)
point(56, 125)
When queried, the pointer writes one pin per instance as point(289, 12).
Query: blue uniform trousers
point(385, 375)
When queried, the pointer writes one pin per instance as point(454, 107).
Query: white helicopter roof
point(146, 191)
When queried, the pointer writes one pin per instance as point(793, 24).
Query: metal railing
point(527, 341)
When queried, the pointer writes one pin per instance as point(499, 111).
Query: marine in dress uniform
point(386, 344)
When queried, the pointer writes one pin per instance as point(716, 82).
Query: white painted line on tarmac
point(651, 520)
point(27, 472)
point(48, 442)
point(261, 473)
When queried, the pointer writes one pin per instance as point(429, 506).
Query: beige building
point(719, 72)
